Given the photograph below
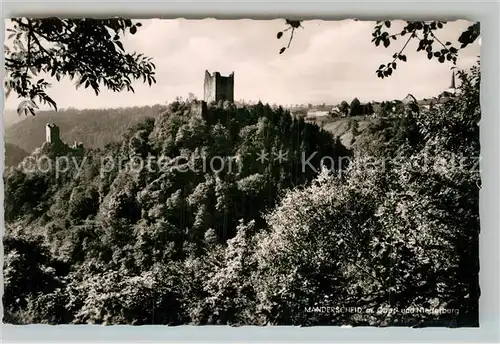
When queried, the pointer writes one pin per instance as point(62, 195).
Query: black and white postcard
point(241, 172)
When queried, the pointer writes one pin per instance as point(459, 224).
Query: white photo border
point(487, 13)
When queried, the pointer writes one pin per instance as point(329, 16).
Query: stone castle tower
point(218, 87)
point(52, 133)
point(452, 85)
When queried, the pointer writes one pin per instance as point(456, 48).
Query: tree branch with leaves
point(423, 31)
point(291, 25)
point(90, 51)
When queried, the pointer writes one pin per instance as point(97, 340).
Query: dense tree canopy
point(261, 243)
point(344, 108)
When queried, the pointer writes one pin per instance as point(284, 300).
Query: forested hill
point(11, 117)
point(93, 127)
point(259, 240)
point(97, 127)
point(13, 154)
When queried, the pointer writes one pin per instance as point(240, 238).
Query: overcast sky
point(328, 61)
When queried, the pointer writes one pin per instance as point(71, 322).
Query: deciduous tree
point(89, 51)
point(355, 109)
